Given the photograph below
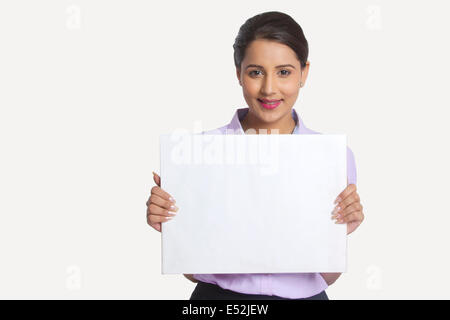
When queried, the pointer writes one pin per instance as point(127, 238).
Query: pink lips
point(271, 105)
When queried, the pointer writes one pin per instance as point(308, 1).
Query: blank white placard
point(253, 203)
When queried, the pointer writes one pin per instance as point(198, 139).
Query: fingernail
point(338, 199)
point(153, 172)
point(172, 199)
point(174, 208)
point(171, 212)
point(168, 218)
point(336, 216)
point(339, 221)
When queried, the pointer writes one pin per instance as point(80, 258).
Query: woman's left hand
point(348, 209)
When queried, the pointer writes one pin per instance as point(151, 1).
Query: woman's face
point(261, 77)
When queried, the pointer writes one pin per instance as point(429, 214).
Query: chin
point(269, 115)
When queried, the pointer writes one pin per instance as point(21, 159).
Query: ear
point(305, 71)
point(238, 74)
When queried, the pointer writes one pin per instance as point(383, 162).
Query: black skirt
point(209, 291)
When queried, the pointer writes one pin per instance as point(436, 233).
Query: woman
point(270, 55)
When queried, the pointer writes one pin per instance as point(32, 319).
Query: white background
point(86, 87)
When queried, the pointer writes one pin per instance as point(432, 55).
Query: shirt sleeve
point(351, 167)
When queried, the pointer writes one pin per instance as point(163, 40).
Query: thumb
point(157, 179)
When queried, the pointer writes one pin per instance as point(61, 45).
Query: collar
point(240, 113)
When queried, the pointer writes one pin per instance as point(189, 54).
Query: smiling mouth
point(269, 101)
point(269, 104)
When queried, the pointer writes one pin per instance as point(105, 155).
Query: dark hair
point(272, 25)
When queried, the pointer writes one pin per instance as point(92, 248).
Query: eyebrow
point(258, 66)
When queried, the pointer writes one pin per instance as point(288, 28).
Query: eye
point(251, 73)
point(254, 72)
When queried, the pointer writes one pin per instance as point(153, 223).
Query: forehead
point(267, 52)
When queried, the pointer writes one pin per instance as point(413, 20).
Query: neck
point(285, 125)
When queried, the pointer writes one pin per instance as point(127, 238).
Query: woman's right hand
point(160, 205)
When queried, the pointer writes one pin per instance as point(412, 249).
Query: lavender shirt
point(287, 285)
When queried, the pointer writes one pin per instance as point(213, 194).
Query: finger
point(155, 218)
point(342, 205)
point(356, 206)
point(344, 194)
point(157, 179)
point(351, 217)
point(163, 203)
point(163, 194)
point(156, 226)
point(153, 209)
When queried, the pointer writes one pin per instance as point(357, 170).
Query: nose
point(268, 86)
